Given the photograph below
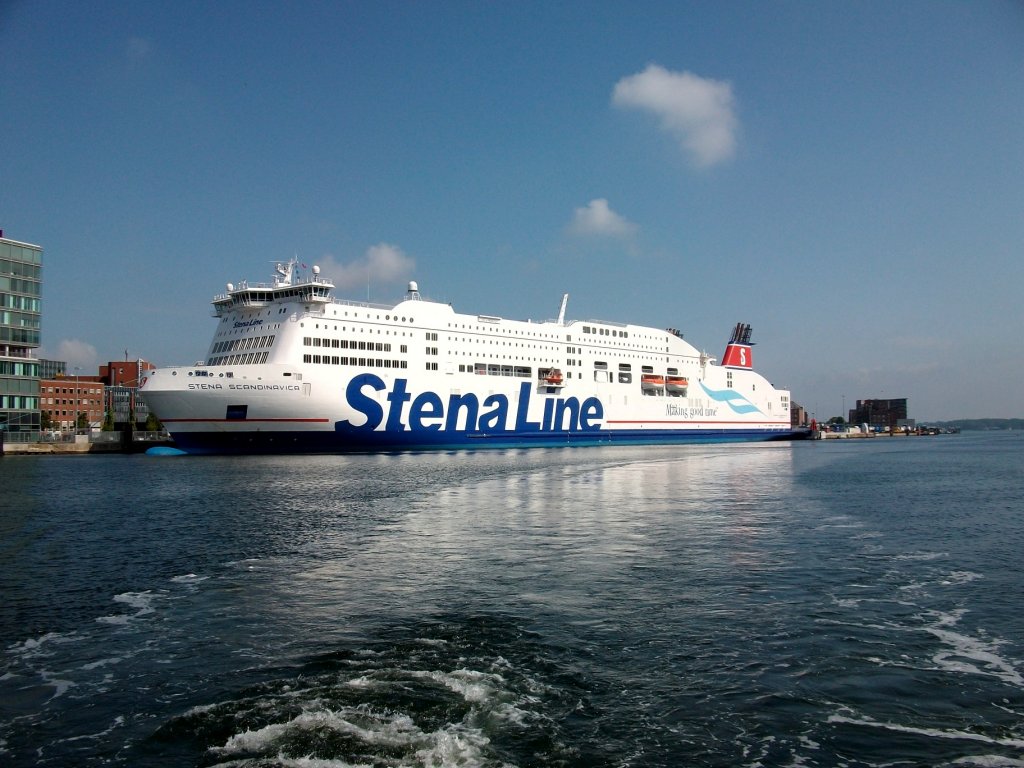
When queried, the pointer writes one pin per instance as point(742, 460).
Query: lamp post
point(78, 397)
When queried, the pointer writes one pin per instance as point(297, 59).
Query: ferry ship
point(292, 369)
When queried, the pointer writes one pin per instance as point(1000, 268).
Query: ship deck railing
point(612, 323)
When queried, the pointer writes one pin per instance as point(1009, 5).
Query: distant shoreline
point(984, 425)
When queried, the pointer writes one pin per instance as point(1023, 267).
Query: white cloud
point(598, 219)
point(381, 264)
point(75, 352)
point(698, 112)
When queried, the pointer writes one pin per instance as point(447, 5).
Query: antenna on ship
point(561, 310)
point(283, 272)
point(413, 293)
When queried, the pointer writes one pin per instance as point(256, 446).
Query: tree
point(153, 423)
point(83, 421)
point(108, 420)
point(45, 420)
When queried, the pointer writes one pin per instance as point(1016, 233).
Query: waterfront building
point(122, 379)
point(880, 414)
point(127, 406)
point(65, 397)
point(21, 283)
point(797, 415)
point(124, 373)
point(52, 369)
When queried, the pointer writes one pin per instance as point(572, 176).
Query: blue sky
point(848, 178)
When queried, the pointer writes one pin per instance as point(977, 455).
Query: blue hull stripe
point(342, 442)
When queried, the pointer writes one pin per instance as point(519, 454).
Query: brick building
point(125, 373)
point(880, 414)
point(64, 397)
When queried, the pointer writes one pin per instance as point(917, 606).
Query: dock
point(40, 444)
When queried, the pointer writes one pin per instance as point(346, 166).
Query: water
point(841, 603)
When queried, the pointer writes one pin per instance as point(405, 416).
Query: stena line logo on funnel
point(429, 412)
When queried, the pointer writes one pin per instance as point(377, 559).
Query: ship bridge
point(288, 285)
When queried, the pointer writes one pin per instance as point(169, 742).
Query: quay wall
point(82, 445)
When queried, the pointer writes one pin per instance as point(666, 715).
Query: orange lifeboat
point(652, 381)
point(676, 383)
point(553, 378)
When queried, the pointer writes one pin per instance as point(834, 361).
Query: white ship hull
point(290, 369)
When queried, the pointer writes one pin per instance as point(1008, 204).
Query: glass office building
point(21, 284)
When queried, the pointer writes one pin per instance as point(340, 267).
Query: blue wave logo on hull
point(732, 398)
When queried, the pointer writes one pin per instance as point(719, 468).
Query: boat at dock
point(293, 369)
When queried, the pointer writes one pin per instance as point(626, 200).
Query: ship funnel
point(737, 351)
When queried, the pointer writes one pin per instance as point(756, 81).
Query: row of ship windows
point(366, 362)
point(433, 336)
point(497, 342)
point(389, 318)
point(486, 329)
point(255, 342)
point(235, 345)
point(586, 329)
point(572, 361)
point(359, 329)
point(244, 325)
point(371, 346)
point(518, 371)
point(601, 375)
point(315, 341)
point(520, 358)
point(648, 387)
point(545, 347)
point(605, 331)
point(632, 353)
point(248, 358)
point(494, 369)
point(601, 365)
